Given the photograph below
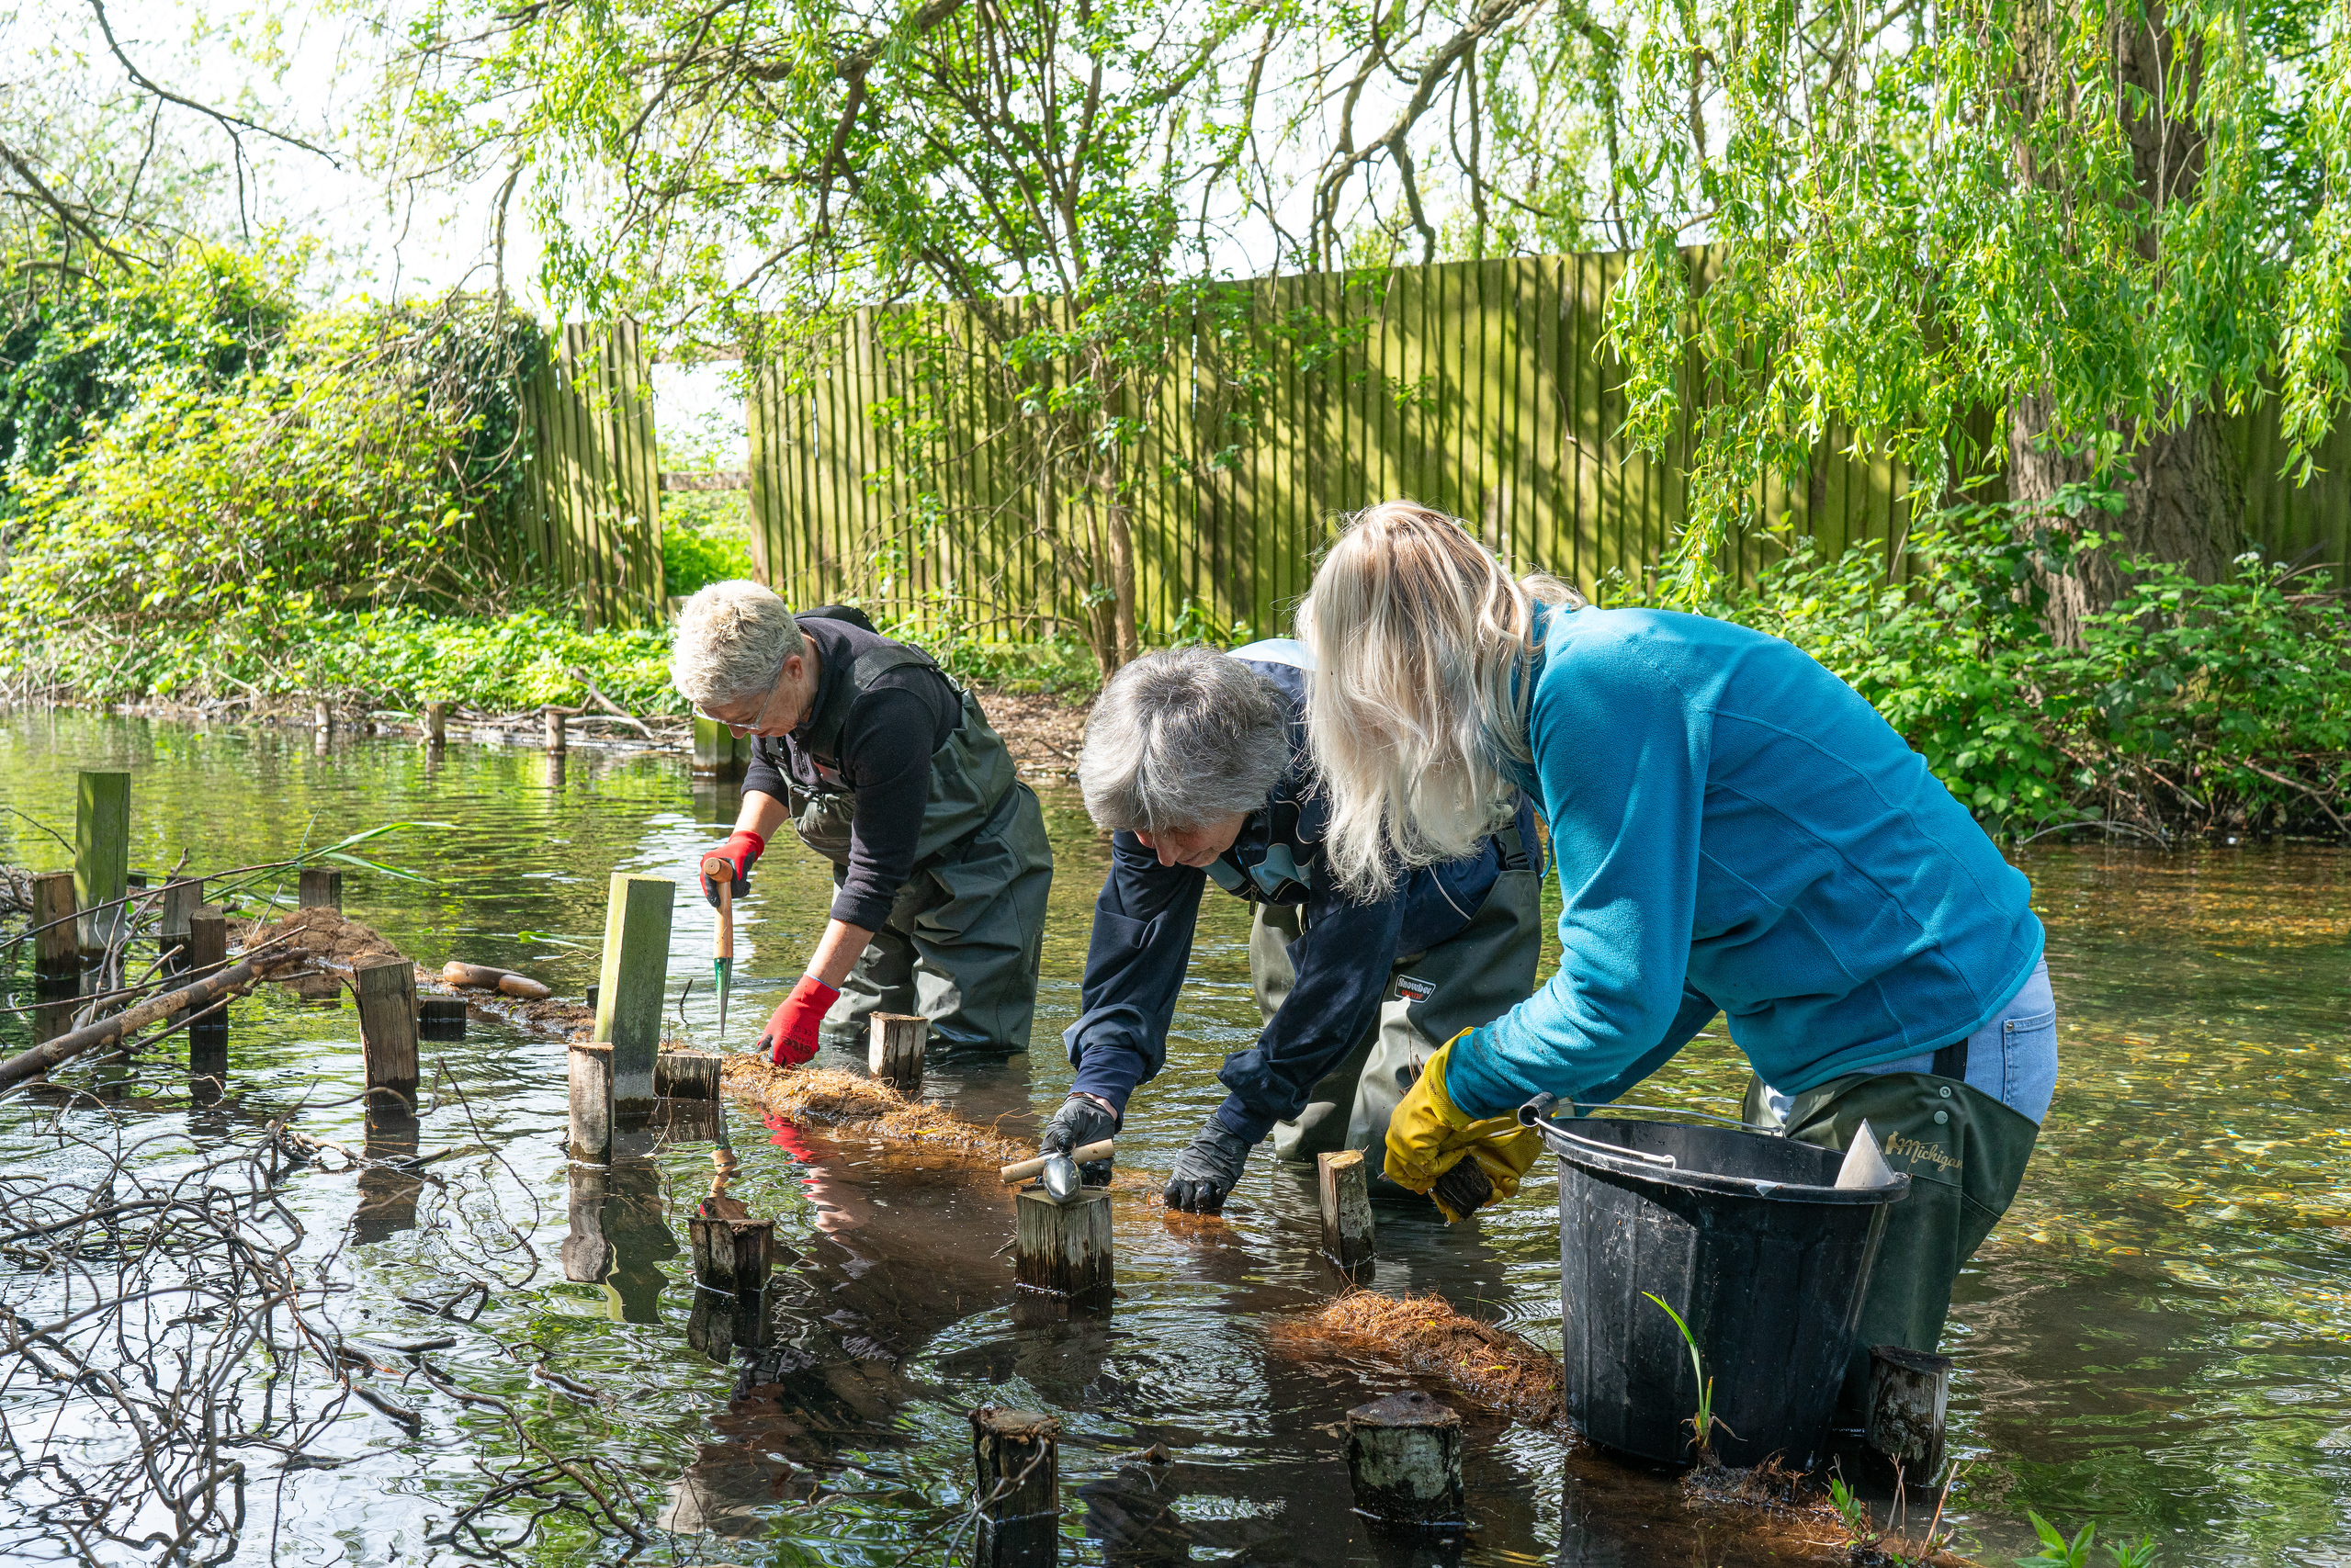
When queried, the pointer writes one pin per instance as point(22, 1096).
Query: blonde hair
point(732, 640)
point(1419, 636)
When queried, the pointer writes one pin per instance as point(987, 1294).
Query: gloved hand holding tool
point(1463, 1164)
point(1083, 1119)
point(1208, 1168)
point(738, 854)
point(1058, 1171)
point(791, 1037)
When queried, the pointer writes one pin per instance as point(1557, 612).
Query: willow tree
point(746, 170)
point(2114, 224)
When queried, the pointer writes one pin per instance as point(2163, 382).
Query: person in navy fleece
point(1194, 761)
point(1737, 831)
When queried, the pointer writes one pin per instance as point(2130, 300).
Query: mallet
point(1059, 1171)
point(721, 873)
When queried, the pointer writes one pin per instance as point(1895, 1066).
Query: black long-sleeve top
point(1147, 912)
point(886, 740)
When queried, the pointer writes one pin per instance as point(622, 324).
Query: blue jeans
point(2013, 1058)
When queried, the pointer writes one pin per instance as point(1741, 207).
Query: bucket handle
point(1537, 1112)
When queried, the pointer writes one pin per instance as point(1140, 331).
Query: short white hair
point(1181, 739)
point(732, 640)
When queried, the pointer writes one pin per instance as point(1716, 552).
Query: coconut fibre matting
point(1493, 1366)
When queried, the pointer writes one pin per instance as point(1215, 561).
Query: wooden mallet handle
point(721, 873)
point(1021, 1170)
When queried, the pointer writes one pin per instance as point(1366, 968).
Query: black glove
point(1207, 1170)
point(1080, 1120)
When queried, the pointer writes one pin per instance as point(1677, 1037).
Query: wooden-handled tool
point(722, 951)
point(1025, 1169)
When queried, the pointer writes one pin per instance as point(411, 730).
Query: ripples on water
point(2153, 1340)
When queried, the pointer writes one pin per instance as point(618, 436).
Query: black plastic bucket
point(1745, 1235)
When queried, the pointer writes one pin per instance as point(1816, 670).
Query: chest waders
point(962, 942)
point(1965, 1155)
point(1472, 977)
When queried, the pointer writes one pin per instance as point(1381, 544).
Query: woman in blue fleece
point(1737, 831)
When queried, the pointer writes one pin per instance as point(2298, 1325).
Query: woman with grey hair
point(887, 769)
point(1195, 763)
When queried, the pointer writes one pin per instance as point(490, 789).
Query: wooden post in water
point(895, 1052)
point(101, 855)
point(208, 1037)
point(636, 972)
point(387, 989)
point(1910, 1391)
point(1064, 1247)
point(716, 754)
point(553, 718)
point(320, 887)
point(57, 955)
point(686, 1074)
point(1404, 1461)
point(1017, 1488)
point(1347, 1228)
point(591, 1085)
point(437, 725)
point(182, 895)
point(323, 716)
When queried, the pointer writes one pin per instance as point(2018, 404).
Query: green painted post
point(635, 974)
point(101, 852)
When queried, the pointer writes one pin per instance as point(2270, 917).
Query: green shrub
point(691, 557)
point(2185, 704)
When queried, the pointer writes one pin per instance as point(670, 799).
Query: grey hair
point(732, 640)
point(1180, 738)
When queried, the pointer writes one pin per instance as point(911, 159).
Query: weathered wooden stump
point(1016, 1454)
point(1064, 1247)
point(591, 1090)
point(208, 1034)
point(1909, 1392)
point(1347, 1228)
point(387, 989)
point(437, 725)
point(320, 887)
point(629, 989)
point(686, 1074)
point(322, 717)
point(57, 955)
point(895, 1053)
point(554, 718)
point(1404, 1461)
point(732, 1260)
point(182, 895)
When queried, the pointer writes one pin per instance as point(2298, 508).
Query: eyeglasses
point(739, 729)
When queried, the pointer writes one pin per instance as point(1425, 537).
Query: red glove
point(741, 849)
point(791, 1037)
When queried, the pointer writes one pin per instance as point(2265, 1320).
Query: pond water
point(2154, 1340)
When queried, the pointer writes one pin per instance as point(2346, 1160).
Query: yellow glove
point(1428, 1136)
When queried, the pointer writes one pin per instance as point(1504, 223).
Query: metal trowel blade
point(1865, 1165)
point(1060, 1178)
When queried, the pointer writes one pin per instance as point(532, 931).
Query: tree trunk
point(2184, 494)
point(1117, 518)
point(2183, 501)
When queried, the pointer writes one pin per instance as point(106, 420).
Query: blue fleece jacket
point(1736, 829)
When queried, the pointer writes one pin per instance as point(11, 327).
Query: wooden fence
point(882, 467)
point(1481, 388)
point(590, 513)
